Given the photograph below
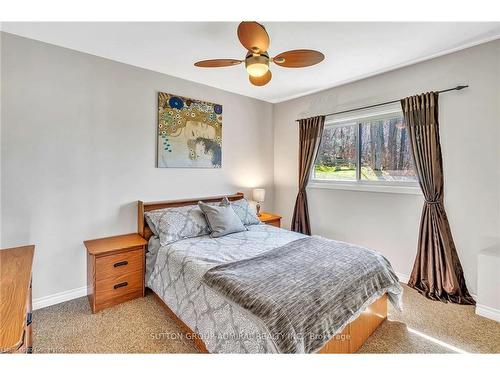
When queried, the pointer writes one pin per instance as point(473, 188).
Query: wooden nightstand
point(271, 219)
point(115, 270)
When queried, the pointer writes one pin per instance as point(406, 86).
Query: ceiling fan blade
point(217, 63)
point(253, 36)
point(298, 58)
point(261, 81)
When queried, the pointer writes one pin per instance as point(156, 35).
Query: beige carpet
point(141, 326)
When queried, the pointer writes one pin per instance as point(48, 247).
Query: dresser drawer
point(15, 300)
point(119, 264)
point(120, 285)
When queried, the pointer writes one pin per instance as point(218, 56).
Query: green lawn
point(325, 172)
point(346, 173)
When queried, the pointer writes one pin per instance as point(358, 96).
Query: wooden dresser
point(115, 270)
point(271, 219)
point(15, 300)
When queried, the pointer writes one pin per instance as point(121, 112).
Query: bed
point(176, 274)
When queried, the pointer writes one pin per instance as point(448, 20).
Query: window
point(367, 150)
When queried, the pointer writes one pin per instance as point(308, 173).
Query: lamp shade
point(259, 195)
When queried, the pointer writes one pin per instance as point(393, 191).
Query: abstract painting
point(189, 133)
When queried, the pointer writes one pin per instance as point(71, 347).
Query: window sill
point(412, 189)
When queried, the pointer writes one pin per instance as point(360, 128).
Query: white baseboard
point(488, 312)
point(54, 299)
point(402, 277)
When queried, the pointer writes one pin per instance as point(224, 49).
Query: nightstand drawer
point(118, 286)
point(119, 264)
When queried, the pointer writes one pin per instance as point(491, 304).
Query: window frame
point(400, 187)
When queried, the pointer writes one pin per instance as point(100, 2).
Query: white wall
point(470, 121)
point(78, 151)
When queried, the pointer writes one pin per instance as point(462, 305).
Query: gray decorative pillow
point(177, 223)
point(244, 211)
point(152, 218)
point(222, 219)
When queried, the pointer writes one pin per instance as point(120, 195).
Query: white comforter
point(175, 273)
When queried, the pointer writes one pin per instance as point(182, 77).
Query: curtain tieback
point(432, 202)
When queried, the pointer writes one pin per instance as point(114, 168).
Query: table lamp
point(259, 196)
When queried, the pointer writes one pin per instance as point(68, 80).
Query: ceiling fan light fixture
point(257, 65)
point(254, 37)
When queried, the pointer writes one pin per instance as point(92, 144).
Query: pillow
point(152, 218)
point(242, 208)
point(177, 223)
point(222, 219)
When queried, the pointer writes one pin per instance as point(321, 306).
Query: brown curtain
point(310, 131)
point(437, 272)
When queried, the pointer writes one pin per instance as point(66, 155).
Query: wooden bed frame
point(349, 340)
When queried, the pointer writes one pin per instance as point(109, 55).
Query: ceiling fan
point(253, 36)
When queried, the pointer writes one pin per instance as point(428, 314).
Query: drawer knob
point(121, 285)
point(119, 264)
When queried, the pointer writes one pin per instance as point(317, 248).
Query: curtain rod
point(458, 88)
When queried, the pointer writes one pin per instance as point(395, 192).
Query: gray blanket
point(307, 291)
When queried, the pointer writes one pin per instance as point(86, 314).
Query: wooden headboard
point(142, 207)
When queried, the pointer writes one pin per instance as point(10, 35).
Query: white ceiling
point(353, 50)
